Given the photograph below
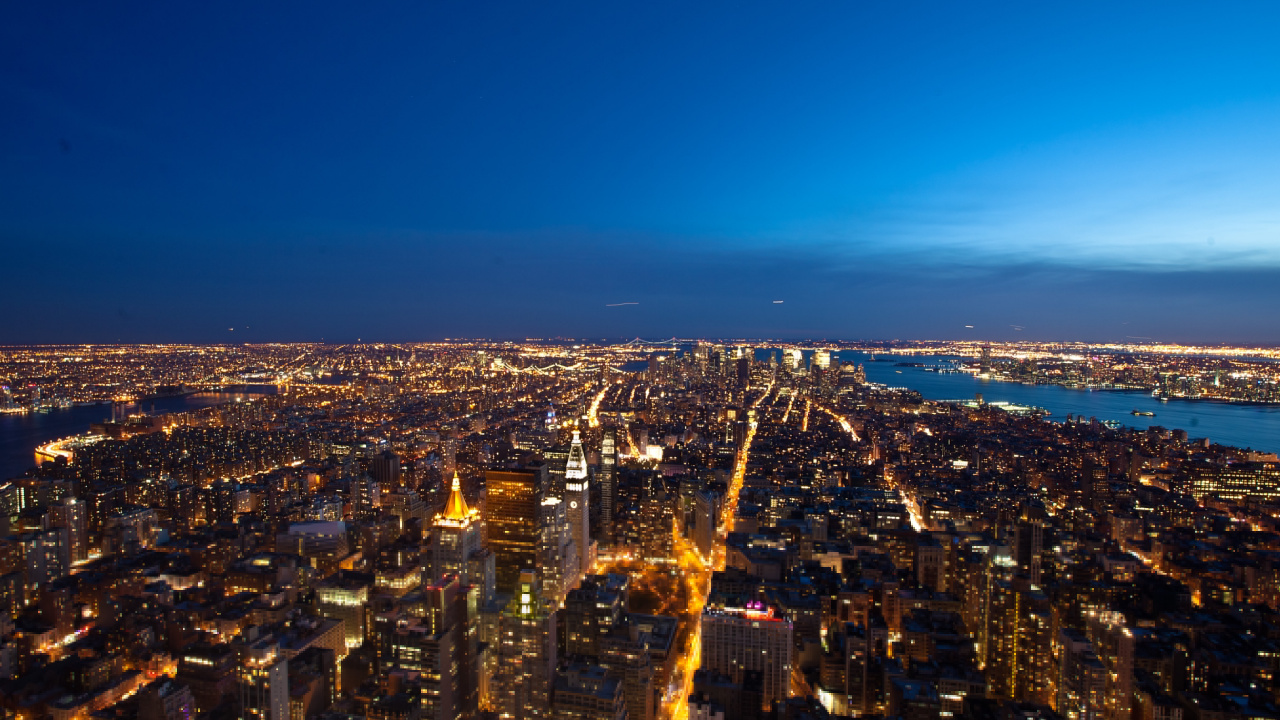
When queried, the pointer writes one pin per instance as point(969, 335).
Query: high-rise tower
point(526, 654)
point(511, 513)
point(608, 482)
point(457, 546)
point(577, 496)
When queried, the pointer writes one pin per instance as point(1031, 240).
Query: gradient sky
point(412, 171)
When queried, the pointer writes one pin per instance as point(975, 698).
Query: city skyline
point(1098, 174)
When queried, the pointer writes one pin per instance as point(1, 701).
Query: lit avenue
point(686, 529)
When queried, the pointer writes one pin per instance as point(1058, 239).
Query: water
point(1248, 426)
point(21, 434)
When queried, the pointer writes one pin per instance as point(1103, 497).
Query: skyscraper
point(511, 513)
point(557, 555)
point(577, 497)
point(70, 514)
point(526, 654)
point(608, 482)
point(440, 644)
point(457, 546)
point(364, 497)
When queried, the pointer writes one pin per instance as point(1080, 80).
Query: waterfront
point(1251, 426)
point(21, 433)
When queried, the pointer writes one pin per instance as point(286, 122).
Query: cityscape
point(640, 529)
point(639, 360)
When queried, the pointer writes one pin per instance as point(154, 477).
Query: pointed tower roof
point(576, 466)
point(456, 508)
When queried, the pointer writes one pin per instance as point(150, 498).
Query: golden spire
point(456, 508)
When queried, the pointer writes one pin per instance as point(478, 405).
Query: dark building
point(512, 498)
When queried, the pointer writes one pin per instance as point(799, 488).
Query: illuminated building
point(557, 460)
point(1236, 481)
point(449, 454)
point(45, 557)
point(526, 654)
point(591, 611)
point(210, 672)
point(70, 513)
point(457, 546)
point(441, 646)
point(557, 555)
point(365, 497)
point(608, 482)
point(624, 651)
point(586, 692)
point(345, 596)
point(751, 637)
point(512, 503)
point(129, 531)
point(263, 679)
point(706, 512)
point(792, 359)
point(655, 525)
point(577, 497)
point(1081, 678)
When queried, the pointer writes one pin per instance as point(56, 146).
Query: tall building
point(608, 482)
point(512, 507)
point(577, 497)
point(364, 497)
point(385, 469)
point(557, 555)
point(441, 644)
point(526, 654)
point(557, 458)
point(591, 610)
point(345, 597)
point(449, 454)
point(792, 358)
point(70, 513)
point(753, 637)
point(263, 679)
point(457, 546)
point(706, 511)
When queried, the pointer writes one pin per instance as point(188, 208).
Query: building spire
point(456, 508)
point(576, 466)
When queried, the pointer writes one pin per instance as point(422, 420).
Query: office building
point(512, 508)
point(263, 682)
point(457, 546)
point(526, 654)
point(577, 496)
point(751, 637)
point(608, 483)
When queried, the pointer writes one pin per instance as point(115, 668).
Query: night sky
point(1094, 171)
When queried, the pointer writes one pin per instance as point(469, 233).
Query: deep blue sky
point(425, 170)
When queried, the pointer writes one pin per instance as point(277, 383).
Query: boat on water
point(1144, 413)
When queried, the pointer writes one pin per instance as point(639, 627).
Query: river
point(20, 434)
point(1250, 426)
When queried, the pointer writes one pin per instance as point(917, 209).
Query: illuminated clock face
point(573, 504)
